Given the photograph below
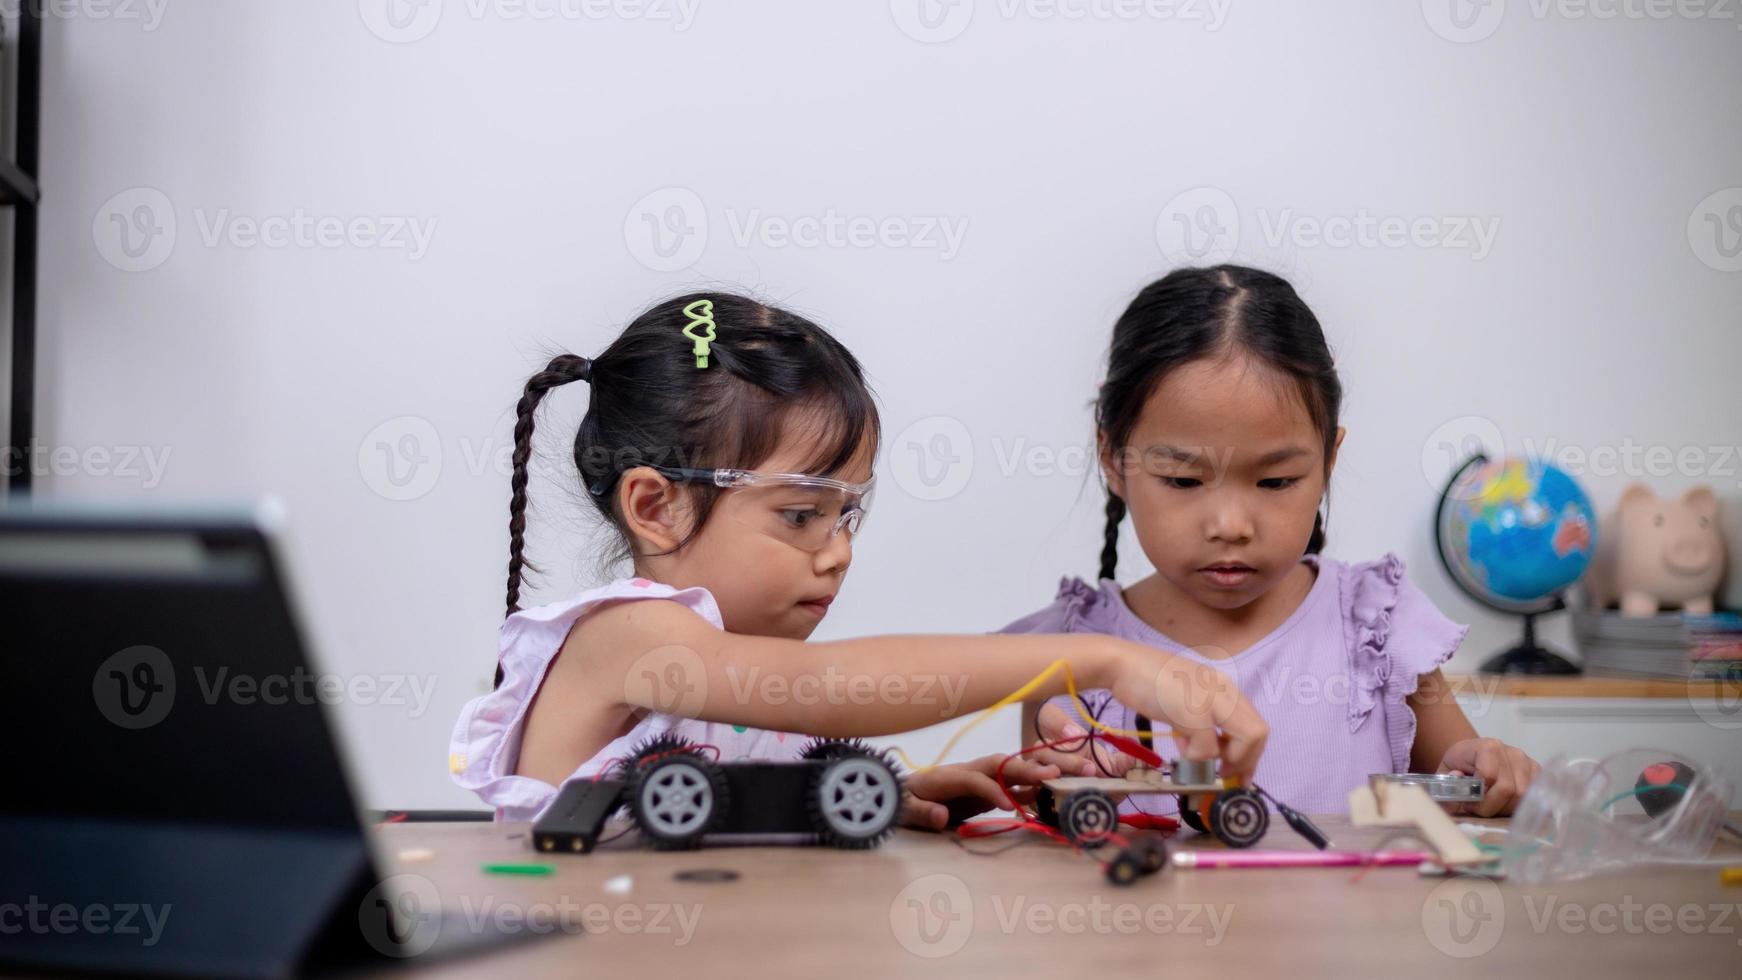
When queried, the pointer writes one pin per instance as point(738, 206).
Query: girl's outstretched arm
point(664, 657)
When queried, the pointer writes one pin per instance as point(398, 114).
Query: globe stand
point(1528, 657)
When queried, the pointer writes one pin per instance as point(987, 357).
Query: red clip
point(1148, 821)
point(1133, 748)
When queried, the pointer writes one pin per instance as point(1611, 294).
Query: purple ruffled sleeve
point(1396, 634)
point(1078, 608)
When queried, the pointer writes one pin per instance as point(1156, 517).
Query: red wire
point(1026, 821)
point(609, 766)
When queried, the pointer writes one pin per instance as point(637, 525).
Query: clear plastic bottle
point(1641, 806)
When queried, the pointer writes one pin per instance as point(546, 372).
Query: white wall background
point(1606, 310)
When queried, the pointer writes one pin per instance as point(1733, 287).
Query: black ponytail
point(562, 369)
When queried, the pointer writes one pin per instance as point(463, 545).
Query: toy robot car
point(1085, 808)
point(843, 792)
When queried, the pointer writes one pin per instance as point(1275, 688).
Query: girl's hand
point(1505, 770)
point(1194, 700)
point(971, 787)
point(1073, 758)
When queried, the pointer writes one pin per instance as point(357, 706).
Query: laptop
point(177, 802)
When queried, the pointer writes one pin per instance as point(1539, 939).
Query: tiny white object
point(412, 855)
point(620, 885)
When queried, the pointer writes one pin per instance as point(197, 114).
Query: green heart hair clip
point(701, 314)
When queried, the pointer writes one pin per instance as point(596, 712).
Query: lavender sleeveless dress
point(1331, 680)
point(485, 749)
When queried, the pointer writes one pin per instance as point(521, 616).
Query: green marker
point(519, 869)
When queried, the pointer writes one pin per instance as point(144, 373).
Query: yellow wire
point(1021, 694)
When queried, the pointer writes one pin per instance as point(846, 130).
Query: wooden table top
point(922, 902)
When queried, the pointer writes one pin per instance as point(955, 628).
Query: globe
point(1514, 533)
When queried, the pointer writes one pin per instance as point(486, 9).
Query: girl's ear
point(1331, 463)
point(1112, 465)
point(655, 510)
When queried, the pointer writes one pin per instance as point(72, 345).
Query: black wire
point(1095, 753)
point(1129, 798)
point(1095, 712)
point(627, 827)
point(1086, 849)
point(1041, 739)
point(1090, 742)
point(1132, 798)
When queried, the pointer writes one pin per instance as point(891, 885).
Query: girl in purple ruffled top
point(1217, 433)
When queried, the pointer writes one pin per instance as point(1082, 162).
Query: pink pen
point(1295, 859)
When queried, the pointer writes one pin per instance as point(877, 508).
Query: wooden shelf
point(1579, 686)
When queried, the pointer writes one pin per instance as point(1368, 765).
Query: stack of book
point(1717, 645)
point(1669, 645)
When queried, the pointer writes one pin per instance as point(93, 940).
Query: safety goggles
point(802, 510)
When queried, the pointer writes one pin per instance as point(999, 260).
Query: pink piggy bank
point(1653, 553)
